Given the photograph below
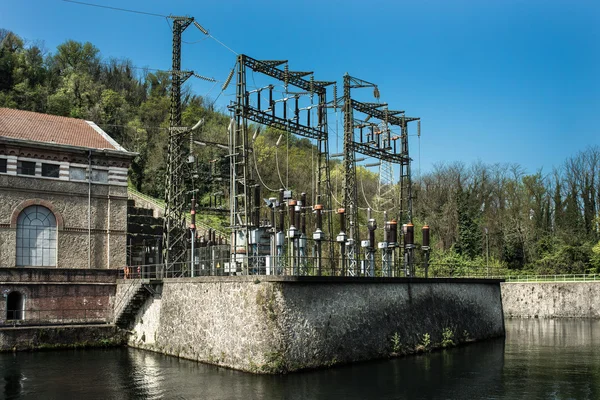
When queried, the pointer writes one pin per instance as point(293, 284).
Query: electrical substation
point(300, 231)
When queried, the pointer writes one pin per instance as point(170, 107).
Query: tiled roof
point(27, 125)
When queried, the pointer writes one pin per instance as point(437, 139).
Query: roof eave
point(108, 152)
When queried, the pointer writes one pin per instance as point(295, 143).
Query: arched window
point(36, 237)
point(14, 306)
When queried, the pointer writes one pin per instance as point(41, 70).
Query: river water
point(539, 359)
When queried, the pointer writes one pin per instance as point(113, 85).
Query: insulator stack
point(228, 80)
point(303, 214)
point(319, 209)
point(425, 232)
point(193, 214)
point(281, 211)
point(386, 227)
point(409, 237)
point(286, 74)
point(393, 236)
point(341, 213)
point(256, 206)
point(292, 211)
point(335, 97)
point(297, 109)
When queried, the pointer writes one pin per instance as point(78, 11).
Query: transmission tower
point(377, 143)
point(174, 232)
point(263, 108)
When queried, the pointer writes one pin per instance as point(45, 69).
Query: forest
point(496, 216)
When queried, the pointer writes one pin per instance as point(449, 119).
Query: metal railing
point(126, 295)
point(35, 316)
point(231, 265)
point(554, 278)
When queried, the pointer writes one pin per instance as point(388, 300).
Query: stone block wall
point(281, 324)
point(551, 299)
point(69, 202)
point(59, 296)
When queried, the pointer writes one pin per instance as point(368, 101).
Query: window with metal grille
point(50, 170)
point(36, 237)
point(26, 167)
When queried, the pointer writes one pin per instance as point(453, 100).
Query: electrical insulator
point(409, 237)
point(228, 80)
point(376, 92)
point(335, 97)
point(286, 72)
point(201, 28)
point(205, 78)
point(425, 236)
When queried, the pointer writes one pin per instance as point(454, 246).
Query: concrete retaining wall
point(551, 300)
point(280, 324)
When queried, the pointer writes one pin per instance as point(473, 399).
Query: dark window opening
point(50, 170)
point(3, 165)
point(14, 306)
point(25, 167)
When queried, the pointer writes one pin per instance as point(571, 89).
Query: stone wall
point(69, 202)
point(280, 324)
point(55, 337)
point(551, 300)
point(59, 296)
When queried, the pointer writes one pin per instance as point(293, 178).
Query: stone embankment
point(282, 324)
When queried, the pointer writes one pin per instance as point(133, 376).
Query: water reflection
point(539, 359)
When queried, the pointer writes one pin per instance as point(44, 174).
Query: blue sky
point(497, 81)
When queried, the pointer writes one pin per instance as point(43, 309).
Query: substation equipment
point(269, 245)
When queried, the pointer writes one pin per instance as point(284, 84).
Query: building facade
point(63, 209)
point(63, 193)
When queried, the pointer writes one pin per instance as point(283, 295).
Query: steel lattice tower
point(405, 204)
point(174, 232)
point(350, 188)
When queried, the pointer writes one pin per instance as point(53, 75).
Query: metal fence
point(553, 278)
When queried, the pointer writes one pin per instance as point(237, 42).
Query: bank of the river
point(540, 359)
point(551, 299)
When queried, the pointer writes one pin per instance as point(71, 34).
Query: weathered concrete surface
point(551, 300)
point(55, 337)
point(281, 324)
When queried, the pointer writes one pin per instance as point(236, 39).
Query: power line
point(115, 8)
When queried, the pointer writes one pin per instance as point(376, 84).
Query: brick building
point(63, 204)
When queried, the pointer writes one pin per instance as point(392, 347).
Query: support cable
point(115, 8)
point(279, 173)
point(258, 173)
point(366, 201)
